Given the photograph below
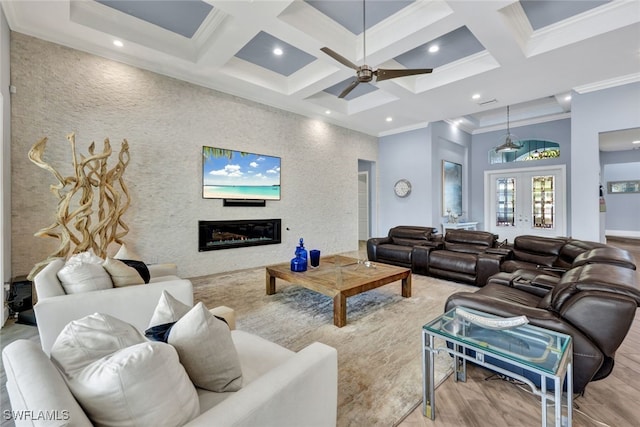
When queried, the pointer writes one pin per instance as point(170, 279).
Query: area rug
point(379, 350)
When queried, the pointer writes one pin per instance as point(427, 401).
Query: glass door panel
point(542, 202)
point(505, 202)
point(526, 202)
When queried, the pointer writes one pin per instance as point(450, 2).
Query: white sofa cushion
point(206, 350)
point(119, 378)
point(83, 272)
point(121, 274)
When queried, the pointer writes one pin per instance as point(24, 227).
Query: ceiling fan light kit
point(364, 73)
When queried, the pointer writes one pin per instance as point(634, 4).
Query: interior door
point(526, 201)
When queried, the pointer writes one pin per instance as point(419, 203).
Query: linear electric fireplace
point(237, 233)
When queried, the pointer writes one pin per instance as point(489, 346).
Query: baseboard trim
point(623, 233)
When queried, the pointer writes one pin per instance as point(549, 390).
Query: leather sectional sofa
point(405, 246)
point(474, 256)
point(588, 290)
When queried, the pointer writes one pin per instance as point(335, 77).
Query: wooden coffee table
point(340, 277)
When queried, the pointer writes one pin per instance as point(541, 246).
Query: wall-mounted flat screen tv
point(237, 175)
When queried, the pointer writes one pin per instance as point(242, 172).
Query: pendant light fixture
point(508, 146)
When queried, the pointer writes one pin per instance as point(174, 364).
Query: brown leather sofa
point(465, 256)
point(594, 303)
point(405, 246)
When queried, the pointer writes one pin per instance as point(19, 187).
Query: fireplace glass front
point(215, 235)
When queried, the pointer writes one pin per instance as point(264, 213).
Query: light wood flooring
point(613, 401)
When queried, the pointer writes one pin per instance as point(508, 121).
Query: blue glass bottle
point(299, 263)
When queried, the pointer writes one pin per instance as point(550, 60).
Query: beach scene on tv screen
point(230, 174)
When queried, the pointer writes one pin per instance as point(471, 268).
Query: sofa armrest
point(538, 285)
point(132, 304)
point(303, 391)
point(35, 386)
point(228, 314)
point(506, 252)
point(372, 245)
point(420, 257)
point(164, 269)
point(487, 266)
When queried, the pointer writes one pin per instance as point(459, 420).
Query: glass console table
point(545, 354)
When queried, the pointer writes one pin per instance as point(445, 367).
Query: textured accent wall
point(166, 122)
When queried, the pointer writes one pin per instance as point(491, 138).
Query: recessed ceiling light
point(636, 142)
point(277, 51)
point(118, 43)
point(328, 112)
point(476, 96)
point(389, 119)
point(567, 98)
point(434, 48)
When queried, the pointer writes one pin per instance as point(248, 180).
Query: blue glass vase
point(299, 263)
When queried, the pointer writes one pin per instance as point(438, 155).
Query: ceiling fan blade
point(349, 88)
point(341, 59)
point(382, 74)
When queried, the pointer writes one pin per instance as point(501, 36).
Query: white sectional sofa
point(133, 304)
point(279, 387)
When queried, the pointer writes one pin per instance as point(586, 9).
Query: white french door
point(526, 201)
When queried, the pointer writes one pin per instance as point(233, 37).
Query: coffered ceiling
point(527, 54)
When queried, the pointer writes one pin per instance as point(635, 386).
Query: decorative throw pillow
point(168, 310)
point(121, 274)
point(127, 253)
point(83, 272)
point(119, 378)
point(141, 267)
point(206, 350)
point(92, 337)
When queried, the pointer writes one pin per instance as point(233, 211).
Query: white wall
point(591, 113)
point(167, 122)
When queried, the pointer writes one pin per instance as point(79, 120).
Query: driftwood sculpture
point(90, 204)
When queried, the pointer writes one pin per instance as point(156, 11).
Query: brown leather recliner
point(594, 303)
point(465, 256)
point(405, 246)
point(559, 254)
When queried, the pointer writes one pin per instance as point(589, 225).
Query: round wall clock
point(402, 188)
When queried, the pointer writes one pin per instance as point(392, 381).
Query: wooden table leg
point(406, 286)
point(340, 310)
point(271, 284)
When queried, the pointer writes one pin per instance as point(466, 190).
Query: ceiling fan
point(364, 73)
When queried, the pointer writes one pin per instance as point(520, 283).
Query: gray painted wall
point(417, 156)
point(622, 217)
point(407, 155)
point(452, 145)
point(167, 122)
point(591, 113)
